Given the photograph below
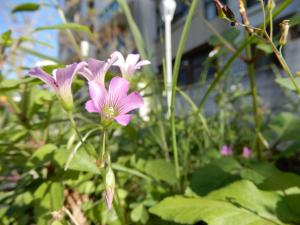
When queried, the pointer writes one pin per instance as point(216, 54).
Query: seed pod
point(284, 31)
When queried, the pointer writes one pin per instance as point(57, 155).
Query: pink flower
point(97, 69)
point(226, 150)
point(113, 104)
point(60, 82)
point(130, 65)
point(247, 152)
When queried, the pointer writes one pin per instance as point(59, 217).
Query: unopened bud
point(109, 188)
point(225, 12)
point(284, 31)
point(271, 5)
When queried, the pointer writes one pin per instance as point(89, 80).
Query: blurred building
point(110, 26)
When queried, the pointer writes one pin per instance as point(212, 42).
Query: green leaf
point(265, 47)
point(38, 54)
point(287, 83)
point(64, 26)
point(139, 213)
point(6, 37)
point(210, 178)
point(295, 20)
point(41, 155)
point(230, 35)
point(81, 161)
point(286, 126)
point(155, 167)
point(57, 196)
point(245, 194)
point(192, 210)
point(215, 175)
point(280, 181)
point(26, 7)
point(267, 177)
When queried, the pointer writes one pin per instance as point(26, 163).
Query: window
point(210, 9)
point(195, 64)
point(250, 3)
point(181, 10)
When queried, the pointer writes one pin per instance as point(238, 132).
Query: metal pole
point(168, 10)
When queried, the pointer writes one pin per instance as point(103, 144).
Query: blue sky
point(23, 23)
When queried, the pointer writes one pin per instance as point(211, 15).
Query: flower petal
point(64, 76)
point(132, 59)
point(123, 119)
point(120, 61)
point(118, 88)
point(98, 94)
point(142, 63)
point(98, 69)
point(86, 73)
point(131, 102)
point(90, 107)
point(41, 74)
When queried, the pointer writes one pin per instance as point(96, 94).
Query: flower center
point(109, 112)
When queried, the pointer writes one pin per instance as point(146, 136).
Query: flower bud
point(284, 31)
point(225, 12)
point(109, 187)
point(271, 5)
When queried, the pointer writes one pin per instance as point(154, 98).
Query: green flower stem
point(271, 24)
point(262, 4)
point(103, 149)
point(47, 120)
point(251, 73)
point(119, 210)
point(175, 78)
point(283, 63)
point(71, 118)
point(223, 71)
point(116, 201)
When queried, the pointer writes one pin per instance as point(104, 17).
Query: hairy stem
point(251, 73)
point(175, 78)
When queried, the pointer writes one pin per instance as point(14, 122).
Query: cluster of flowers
point(111, 104)
point(226, 150)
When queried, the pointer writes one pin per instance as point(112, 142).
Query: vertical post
point(168, 9)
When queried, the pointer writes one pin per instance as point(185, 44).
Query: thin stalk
point(251, 73)
point(130, 171)
point(116, 200)
point(271, 23)
point(262, 4)
point(102, 155)
point(46, 131)
point(175, 78)
point(118, 209)
point(73, 123)
point(223, 71)
point(226, 43)
point(72, 218)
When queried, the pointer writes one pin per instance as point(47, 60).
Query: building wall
point(146, 14)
